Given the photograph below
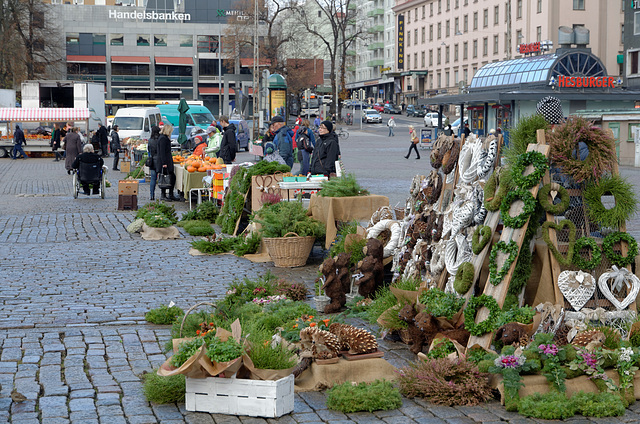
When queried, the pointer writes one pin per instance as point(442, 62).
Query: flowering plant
point(510, 364)
point(591, 363)
point(552, 369)
point(626, 367)
point(269, 299)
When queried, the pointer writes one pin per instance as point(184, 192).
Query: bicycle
point(342, 133)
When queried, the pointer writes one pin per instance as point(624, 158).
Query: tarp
point(49, 114)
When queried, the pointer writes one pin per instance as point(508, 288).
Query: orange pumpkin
point(191, 168)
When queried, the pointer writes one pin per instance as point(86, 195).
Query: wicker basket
point(289, 252)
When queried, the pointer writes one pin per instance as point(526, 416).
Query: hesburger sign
point(585, 82)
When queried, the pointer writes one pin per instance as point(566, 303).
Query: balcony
point(86, 77)
point(172, 78)
point(375, 12)
point(375, 46)
point(130, 78)
point(351, 52)
point(375, 62)
point(375, 29)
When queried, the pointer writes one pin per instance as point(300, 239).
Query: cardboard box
point(128, 187)
point(125, 166)
point(262, 183)
point(255, 398)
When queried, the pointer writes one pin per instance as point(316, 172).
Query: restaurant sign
point(585, 82)
point(400, 42)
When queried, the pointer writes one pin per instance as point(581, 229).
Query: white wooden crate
point(255, 398)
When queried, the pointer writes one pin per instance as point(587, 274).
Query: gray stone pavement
point(74, 288)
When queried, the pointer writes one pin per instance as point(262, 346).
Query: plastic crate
point(254, 398)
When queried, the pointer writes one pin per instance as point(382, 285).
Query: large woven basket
point(289, 251)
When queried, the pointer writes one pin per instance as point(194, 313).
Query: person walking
point(103, 138)
point(317, 122)
point(414, 142)
point(306, 141)
point(115, 146)
point(466, 130)
point(164, 163)
point(72, 147)
point(327, 150)
point(391, 124)
point(283, 139)
point(18, 140)
point(152, 148)
point(228, 145)
point(55, 142)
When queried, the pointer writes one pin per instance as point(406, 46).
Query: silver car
point(371, 115)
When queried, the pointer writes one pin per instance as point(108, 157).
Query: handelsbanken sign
point(149, 16)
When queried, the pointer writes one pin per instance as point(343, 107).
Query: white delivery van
point(136, 121)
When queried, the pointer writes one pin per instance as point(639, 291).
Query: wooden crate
point(128, 202)
point(255, 398)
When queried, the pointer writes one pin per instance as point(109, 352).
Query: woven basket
point(289, 252)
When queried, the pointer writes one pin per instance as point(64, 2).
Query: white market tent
point(48, 114)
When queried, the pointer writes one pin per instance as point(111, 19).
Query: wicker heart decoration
point(620, 277)
point(577, 287)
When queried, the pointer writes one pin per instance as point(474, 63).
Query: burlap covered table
point(330, 209)
point(319, 377)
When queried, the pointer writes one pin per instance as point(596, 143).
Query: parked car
point(415, 111)
point(191, 132)
point(391, 108)
point(371, 115)
point(431, 119)
point(378, 107)
point(455, 127)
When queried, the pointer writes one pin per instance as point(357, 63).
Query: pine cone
point(325, 345)
point(356, 340)
point(586, 337)
point(306, 337)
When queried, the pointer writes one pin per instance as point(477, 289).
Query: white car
point(371, 115)
point(455, 127)
point(431, 119)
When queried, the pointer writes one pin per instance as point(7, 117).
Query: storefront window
point(142, 40)
point(116, 39)
point(73, 38)
point(186, 40)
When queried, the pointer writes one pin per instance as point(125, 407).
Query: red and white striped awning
point(48, 114)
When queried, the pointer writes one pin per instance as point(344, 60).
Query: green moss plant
point(164, 315)
point(349, 397)
point(161, 390)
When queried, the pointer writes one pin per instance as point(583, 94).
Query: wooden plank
point(499, 292)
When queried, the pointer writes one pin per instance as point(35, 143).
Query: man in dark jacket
point(18, 139)
point(228, 146)
point(103, 137)
point(283, 139)
point(92, 163)
point(115, 147)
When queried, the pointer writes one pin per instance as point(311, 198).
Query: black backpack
point(302, 139)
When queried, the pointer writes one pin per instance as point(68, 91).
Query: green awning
point(620, 58)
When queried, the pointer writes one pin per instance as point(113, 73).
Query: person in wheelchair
point(89, 166)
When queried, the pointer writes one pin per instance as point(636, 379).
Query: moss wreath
point(529, 206)
point(495, 276)
point(477, 243)
point(493, 199)
point(464, 277)
point(472, 309)
point(543, 198)
point(625, 197)
point(596, 254)
point(568, 258)
point(540, 165)
point(616, 258)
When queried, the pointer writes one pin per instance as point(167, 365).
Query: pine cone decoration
point(339, 331)
point(588, 337)
point(325, 345)
point(306, 337)
point(356, 340)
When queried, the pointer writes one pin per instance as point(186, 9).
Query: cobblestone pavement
point(75, 286)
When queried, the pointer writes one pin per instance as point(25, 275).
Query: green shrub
point(441, 304)
point(264, 356)
point(222, 351)
point(284, 217)
point(164, 315)
point(548, 406)
point(376, 396)
point(158, 389)
point(158, 207)
point(208, 211)
point(384, 300)
point(598, 404)
point(185, 351)
point(198, 228)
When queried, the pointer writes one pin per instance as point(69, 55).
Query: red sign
point(586, 82)
point(529, 48)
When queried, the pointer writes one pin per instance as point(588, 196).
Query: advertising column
point(277, 96)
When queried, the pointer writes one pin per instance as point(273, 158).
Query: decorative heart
point(553, 193)
point(563, 259)
point(631, 281)
point(481, 237)
point(577, 287)
point(511, 249)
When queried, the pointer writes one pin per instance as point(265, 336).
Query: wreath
point(616, 258)
point(596, 254)
point(563, 260)
point(540, 165)
point(477, 243)
point(543, 198)
point(529, 206)
point(512, 249)
point(471, 310)
point(493, 199)
point(449, 164)
point(624, 195)
point(464, 277)
point(565, 141)
point(432, 188)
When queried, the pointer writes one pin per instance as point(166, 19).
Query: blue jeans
point(304, 166)
point(154, 177)
point(288, 159)
point(391, 131)
point(17, 148)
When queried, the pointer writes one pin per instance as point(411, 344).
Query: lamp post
point(219, 63)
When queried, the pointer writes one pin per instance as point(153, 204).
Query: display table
point(330, 209)
point(186, 180)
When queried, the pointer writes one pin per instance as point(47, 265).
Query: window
point(73, 38)
point(456, 4)
point(446, 54)
point(208, 44)
point(431, 57)
point(446, 79)
point(319, 13)
point(632, 131)
point(142, 40)
point(415, 36)
point(496, 15)
point(455, 77)
point(475, 48)
point(408, 61)
point(424, 33)
point(439, 30)
point(86, 69)
point(577, 4)
point(439, 6)
point(456, 24)
point(633, 62)
point(485, 18)
point(455, 52)
point(116, 39)
point(439, 56)
point(431, 32)
point(99, 39)
point(485, 46)
point(431, 9)
point(465, 23)
point(519, 10)
point(636, 23)
point(465, 73)
point(518, 37)
point(423, 12)
point(539, 9)
point(447, 28)
point(129, 69)
point(448, 5)
point(408, 38)
point(622, 34)
point(173, 71)
point(539, 33)
point(160, 40)
point(439, 80)
point(465, 48)
point(496, 42)
point(475, 21)
point(422, 60)
point(186, 40)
